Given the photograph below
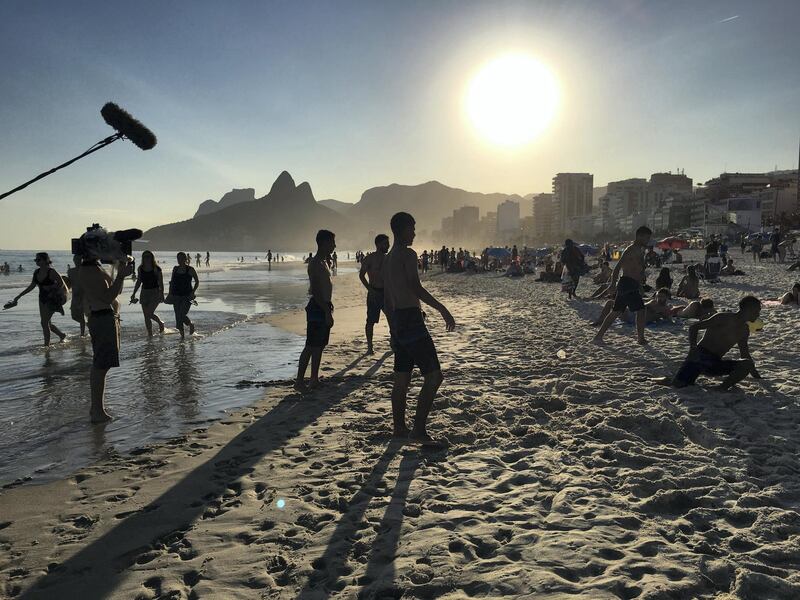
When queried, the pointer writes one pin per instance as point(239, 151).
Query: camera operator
point(100, 293)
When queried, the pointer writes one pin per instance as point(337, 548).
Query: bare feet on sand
point(401, 433)
point(300, 386)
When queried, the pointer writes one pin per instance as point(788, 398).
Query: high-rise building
point(572, 199)
point(542, 216)
point(508, 217)
point(465, 224)
point(632, 193)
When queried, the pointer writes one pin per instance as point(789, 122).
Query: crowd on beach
point(391, 277)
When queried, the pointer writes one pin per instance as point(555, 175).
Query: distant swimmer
point(371, 275)
point(319, 311)
point(411, 341)
point(151, 280)
point(182, 288)
point(629, 293)
point(52, 295)
point(723, 331)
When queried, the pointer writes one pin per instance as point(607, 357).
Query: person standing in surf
point(319, 311)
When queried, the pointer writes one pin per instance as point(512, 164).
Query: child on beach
point(319, 311)
point(410, 338)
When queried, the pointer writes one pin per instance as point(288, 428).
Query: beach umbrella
point(673, 243)
point(498, 252)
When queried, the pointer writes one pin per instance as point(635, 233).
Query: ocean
point(163, 387)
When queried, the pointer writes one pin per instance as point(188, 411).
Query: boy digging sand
point(319, 311)
point(410, 338)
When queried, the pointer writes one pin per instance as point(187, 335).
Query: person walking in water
point(371, 275)
point(208, 258)
point(52, 295)
point(629, 286)
point(182, 287)
point(410, 338)
point(151, 281)
point(319, 311)
point(77, 305)
point(269, 260)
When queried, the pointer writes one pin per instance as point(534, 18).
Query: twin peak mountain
point(288, 217)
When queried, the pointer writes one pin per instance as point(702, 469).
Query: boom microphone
point(126, 127)
point(124, 123)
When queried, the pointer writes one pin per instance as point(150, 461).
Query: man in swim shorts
point(629, 293)
point(410, 338)
point(723, 331)
point(371, 275)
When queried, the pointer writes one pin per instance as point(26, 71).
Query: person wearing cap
point(52, 295)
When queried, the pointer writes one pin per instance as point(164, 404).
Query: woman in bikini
point(182, 287)
point(52, 295)
point(151, 281)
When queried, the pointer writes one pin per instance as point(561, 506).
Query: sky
point(351, 95)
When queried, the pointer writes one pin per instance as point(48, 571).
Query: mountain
point(343, 208)
point(288, 218)
point(233, 197)
point(428, 203)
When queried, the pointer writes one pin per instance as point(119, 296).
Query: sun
point(511, 100)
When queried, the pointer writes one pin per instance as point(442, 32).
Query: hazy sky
point(350, 95)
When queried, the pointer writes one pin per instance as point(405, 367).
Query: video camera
point(107, 247)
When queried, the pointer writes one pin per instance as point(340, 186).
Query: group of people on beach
point(391, 277)
point(92, 294)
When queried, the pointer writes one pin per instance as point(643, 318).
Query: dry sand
point(565, 478)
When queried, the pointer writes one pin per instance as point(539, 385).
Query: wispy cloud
point(729, 19)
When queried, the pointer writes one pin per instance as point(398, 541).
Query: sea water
point(163, 387)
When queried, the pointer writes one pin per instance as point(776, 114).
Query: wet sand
point(572, 477)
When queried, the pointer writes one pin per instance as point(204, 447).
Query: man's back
point(398, 266)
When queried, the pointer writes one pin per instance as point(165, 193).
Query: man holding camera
point(100, 293)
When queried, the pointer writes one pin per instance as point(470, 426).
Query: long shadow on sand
point(95, 571)
point(344, 538)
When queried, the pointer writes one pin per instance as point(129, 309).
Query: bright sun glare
point(512, 99)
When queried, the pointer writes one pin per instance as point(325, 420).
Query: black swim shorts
point(317, 330)
point(702, 362)
point(374, 305)
point(104, 331)
point(412, 343)
point(628, 295)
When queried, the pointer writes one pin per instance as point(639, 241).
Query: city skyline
point(353, 96)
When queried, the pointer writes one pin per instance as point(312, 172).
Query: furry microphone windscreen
point(124, 123)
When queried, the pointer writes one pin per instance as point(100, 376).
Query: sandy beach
point(564, 477)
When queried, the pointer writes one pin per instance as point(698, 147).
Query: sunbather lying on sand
point(697, 309)
point(655, 309)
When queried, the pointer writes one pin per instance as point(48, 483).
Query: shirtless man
point(655, 309)
point(792, 296)
point(371, 275)
point(100, 297)
point(697, 309)
point(629, 294)
point(319, 311)
point(723, 332)
point(411, 341)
